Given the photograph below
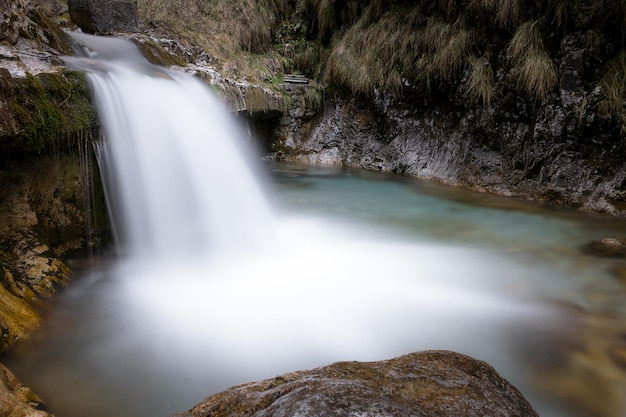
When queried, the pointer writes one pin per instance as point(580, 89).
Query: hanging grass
point(612, 103)
point(536, 71)
point(480, 83)
point(537, 75)
point(506, 13)
point(399, 48)
point(377, 55)
point(447, 50)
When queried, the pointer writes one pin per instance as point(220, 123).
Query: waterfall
point(217, 284)
point(180, 179)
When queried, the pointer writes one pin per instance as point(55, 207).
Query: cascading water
point(213, 287)
point(173, 160)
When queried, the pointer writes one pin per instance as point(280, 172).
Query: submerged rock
point(430, 383)
point(16, 399)
point(609, 247)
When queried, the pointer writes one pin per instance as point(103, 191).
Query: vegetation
point(48, 106)
point(480, 83)
point(430, 49)
point(537, 72)
point(240, 33)
point(613, 92)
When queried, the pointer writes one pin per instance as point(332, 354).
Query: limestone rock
point(104, 16)
point(430, 383)
point(16, 399)
point(14, 19)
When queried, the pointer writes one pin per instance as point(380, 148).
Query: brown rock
point(609, 247)
point(430, 383)
point(16, 399)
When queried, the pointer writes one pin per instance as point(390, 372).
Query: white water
point(212, 282)
point(179, 177)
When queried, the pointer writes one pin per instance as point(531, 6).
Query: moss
point(157, 55)
point(47, 107)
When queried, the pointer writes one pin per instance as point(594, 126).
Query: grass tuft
point(507, 13)
point(480, 83)
point(400, 47)
point(612, 103)
point(538, 75)
point(537, 72)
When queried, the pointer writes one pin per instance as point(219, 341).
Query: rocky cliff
point(525, 101)
point(49, 186)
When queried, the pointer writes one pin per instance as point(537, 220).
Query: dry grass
point(480, 83)
point(537, 72)
point(232, 33)
point(537, 75)
point(612, 103)
point(526, 41)
point(400, 47)
point(506, 13)
point(446, 50)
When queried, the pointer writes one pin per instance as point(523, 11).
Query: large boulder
point(430, 383)
point(104, 16)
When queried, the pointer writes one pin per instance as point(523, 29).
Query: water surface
point(361, 266)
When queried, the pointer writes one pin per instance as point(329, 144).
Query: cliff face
point(528, 103)
point(50, 198)
point(550, 153)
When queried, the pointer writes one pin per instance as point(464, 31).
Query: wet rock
point(430, 383)
point(104, 16)
point(16, 400)
point(609, 247)
point(43, 221)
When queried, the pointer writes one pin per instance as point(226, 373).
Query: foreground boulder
point(430, 383)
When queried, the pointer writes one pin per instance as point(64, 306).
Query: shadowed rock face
point(430, 383)
point(104, 16)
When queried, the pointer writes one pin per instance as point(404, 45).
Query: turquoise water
point(499, 279)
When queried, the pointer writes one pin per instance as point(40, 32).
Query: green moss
point(157, 55)
point(47, 107)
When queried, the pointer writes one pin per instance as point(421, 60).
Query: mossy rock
point(430, 383)
point(38, 109)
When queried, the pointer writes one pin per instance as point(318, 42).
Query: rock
point(430, 383)
point(16, 400)
point(607, 248)
point(13, 20)
point(104, 16)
